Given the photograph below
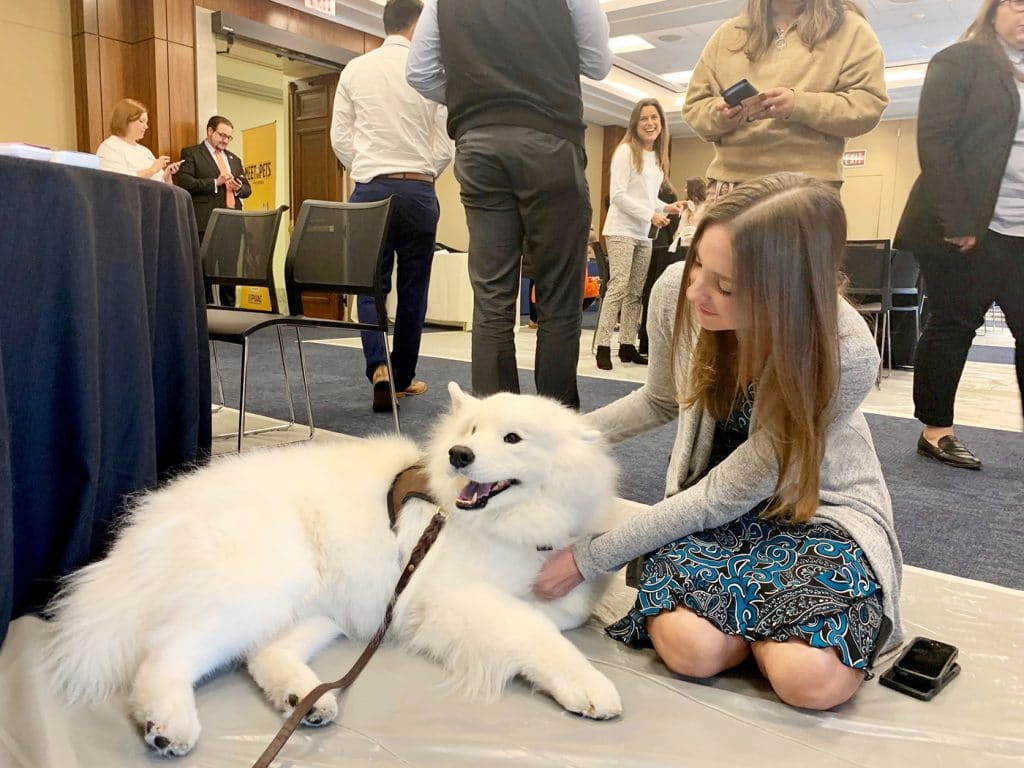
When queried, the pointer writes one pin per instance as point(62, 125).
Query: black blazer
point(966, 124)
point(197, 174)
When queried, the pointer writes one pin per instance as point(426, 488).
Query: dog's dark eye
point(472, 431)
point(512, 437)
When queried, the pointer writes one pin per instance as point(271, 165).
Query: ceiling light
point(636, 93)
point(629, 44)
point(678, 77)
point(903, 77)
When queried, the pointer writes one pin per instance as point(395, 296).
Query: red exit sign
point(855, 158)
point(324, 6)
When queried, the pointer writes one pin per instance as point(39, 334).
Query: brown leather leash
point(426, 540)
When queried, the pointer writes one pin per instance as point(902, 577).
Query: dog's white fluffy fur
point(270, 555)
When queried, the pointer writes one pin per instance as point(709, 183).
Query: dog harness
point(410, 483)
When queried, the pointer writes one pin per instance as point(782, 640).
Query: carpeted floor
point(955, 521)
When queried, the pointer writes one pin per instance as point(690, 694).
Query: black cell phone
point(927, 659)
point(916, 686)
point(739, 93)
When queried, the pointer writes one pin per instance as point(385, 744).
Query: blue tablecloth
point(104, 362)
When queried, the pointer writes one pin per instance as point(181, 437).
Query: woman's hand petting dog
point(558, 577)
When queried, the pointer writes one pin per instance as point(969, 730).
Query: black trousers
point(960, 289)
point(523, 188)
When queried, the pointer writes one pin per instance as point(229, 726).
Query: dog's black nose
point(460, 456)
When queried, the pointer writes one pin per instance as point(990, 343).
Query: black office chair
point(338, 247)
point(238, 250)
point(907, 284)
point(603, 274)
point(868, 268)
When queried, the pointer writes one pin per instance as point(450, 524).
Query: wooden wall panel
point(85, 53)
point(119, 19)
point(181, 75)
point(83, 17)
point(117, 76)
point(181, 23)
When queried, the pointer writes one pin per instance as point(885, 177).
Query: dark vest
point(511, 62)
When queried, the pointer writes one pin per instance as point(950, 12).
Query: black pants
point(525, 188)
point(960, 289)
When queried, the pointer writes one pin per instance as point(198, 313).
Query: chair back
point(868, 268)
point(603, 271)
point(338, 247)
point(238, 249)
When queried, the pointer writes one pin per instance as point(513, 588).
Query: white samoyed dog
point(199, 576)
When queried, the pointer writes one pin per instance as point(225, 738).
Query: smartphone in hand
point(741, 93)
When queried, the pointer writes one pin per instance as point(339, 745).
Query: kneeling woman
point(775, 537)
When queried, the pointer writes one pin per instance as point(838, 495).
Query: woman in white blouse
point(121, 152)
point(639, 165)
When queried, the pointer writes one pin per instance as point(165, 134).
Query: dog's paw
point(595, 697)
point(324, 710)
point(171, 740)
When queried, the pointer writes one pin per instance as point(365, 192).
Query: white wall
point(36, 73)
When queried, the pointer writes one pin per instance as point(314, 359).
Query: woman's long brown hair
point(983, 29)
point(636, 145)
point(820, 20)
point(788, 234)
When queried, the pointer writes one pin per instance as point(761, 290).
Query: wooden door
point(316, 172)
point(862, 199)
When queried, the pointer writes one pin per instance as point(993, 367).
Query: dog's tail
point(95, 634)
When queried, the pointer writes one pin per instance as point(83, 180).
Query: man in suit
point(215, 178)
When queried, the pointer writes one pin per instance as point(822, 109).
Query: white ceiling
point(910, 31)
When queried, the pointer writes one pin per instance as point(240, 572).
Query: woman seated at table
point(121, 152)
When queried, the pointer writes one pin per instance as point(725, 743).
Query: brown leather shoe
point(381, 390)
point(949, 451)
point(417, 387)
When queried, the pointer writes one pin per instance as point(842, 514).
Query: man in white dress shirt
point(394, 142)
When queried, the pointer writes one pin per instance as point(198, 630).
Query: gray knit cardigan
point(854, 496)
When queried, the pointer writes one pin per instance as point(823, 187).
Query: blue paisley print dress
point(762, 579)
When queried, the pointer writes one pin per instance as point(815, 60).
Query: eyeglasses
point(228, 137)
point(1015, 5)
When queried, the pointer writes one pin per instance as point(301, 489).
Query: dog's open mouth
point(475, 495)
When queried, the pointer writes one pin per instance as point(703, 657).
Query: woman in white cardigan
point(121, 152)
point(639, 165)
point(775, 539)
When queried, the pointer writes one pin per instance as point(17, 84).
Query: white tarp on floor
point(399, 713)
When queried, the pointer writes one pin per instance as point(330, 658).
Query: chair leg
point(220, 379)
point(874, 335)
point(887, 322)
point(391, 378)
point(287, 380)
point(305, 384)
point(241, 396)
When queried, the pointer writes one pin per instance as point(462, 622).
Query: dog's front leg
point(280, 668)
point(485, 637)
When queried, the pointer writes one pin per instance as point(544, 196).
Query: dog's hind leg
point(162, 700)
point(280, 668)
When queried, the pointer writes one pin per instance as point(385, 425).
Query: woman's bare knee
point(806, 677)
point(692, 646)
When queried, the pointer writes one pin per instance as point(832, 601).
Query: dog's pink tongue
point(475, 490)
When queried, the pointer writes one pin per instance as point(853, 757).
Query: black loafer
point(949, 451)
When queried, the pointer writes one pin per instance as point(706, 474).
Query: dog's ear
point(591, 435)
point(459, 398)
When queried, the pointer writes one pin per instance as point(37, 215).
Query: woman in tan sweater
point(820, 71)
